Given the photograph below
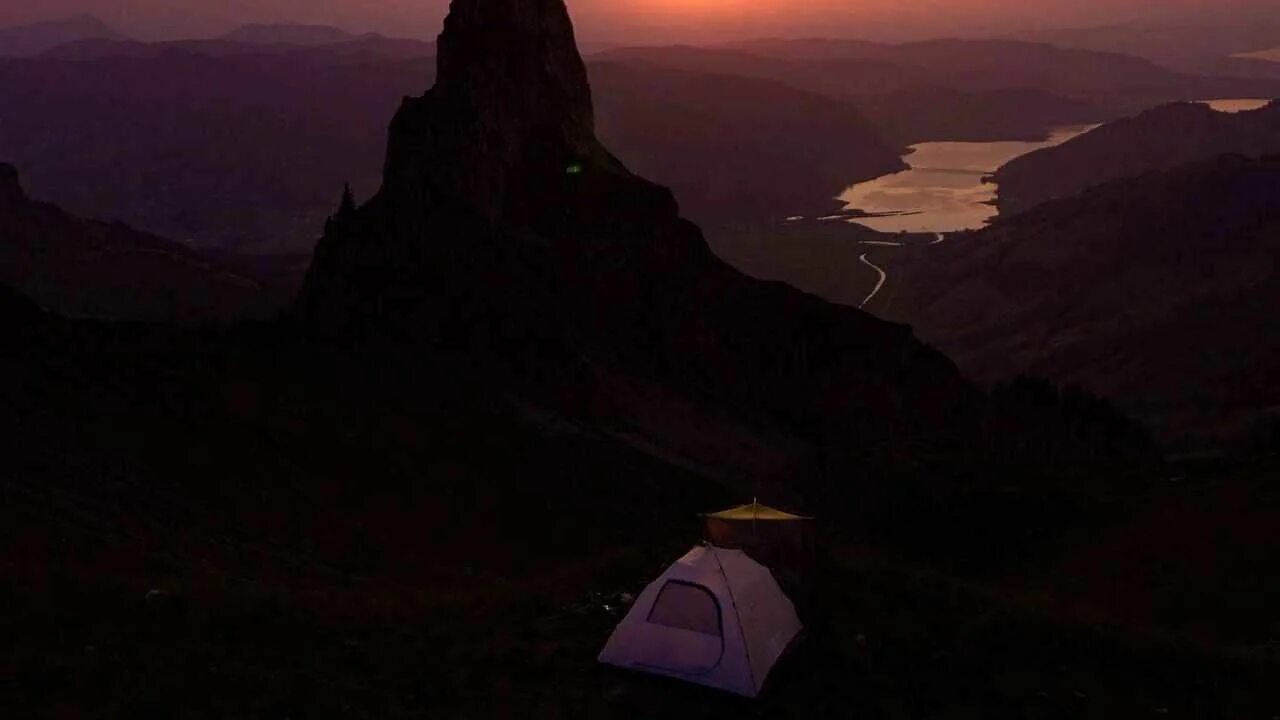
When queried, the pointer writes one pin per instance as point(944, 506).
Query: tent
point(716, 617)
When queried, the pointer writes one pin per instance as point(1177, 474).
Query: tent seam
point(742, 633)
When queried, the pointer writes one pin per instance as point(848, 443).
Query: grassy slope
point(246, 530)
point(884, 642)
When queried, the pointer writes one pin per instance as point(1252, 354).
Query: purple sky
point(642, 19)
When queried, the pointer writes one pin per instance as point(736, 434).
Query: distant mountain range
point(939, 114)
point(28, 40)
point(960, 89)
point(293, 34)
point(219, 150)
point(359, 50)
point(112, 128)
point(737, 149)
point(1205, 47)
point(216, 141)
point(1157, 139)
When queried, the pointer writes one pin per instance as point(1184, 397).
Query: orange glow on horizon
point(718, 9)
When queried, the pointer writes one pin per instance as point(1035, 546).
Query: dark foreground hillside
point(207, 525)
point(888, 643)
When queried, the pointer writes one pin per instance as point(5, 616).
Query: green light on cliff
point(574, 169)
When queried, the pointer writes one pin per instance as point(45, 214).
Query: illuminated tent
point(716, 618)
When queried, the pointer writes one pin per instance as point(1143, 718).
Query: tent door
point(690, 636)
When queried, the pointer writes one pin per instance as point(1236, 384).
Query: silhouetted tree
point(347, 207)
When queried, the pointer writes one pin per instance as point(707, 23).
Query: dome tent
point(715, 617)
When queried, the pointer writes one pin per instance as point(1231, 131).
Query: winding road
point(884, 275)
point(879, 285)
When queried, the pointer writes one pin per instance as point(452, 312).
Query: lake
point(943, 190)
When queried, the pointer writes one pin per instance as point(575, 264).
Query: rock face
point(505, 231)
point(511, 106)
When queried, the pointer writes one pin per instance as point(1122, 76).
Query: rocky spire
point(345, 214)
point(347, 207)
point(11, 192)
point(511, 108)
point(518, 57)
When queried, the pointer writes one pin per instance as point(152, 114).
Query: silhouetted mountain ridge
point(1160, 138)
point(33, 39)
point(1204, 48)
point(110, 271)
point(365, 49)
point(958, 89)
point(294, 34)
point(735, 148)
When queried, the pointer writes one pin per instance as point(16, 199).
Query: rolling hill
point(82, 268)
point(36, 38)
point(1157, 292)
point(1160, 138)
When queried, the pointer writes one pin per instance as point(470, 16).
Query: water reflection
point(943, 191)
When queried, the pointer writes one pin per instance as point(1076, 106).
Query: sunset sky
point(644, 19)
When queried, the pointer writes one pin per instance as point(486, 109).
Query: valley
point(946, 188)
point(942, 215)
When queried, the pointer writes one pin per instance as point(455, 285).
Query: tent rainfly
point(716, 618)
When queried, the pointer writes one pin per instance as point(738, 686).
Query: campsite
point(493, 359)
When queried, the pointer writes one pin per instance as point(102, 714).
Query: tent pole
point(742, 632)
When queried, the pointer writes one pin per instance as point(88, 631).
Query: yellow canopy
point(755, 511)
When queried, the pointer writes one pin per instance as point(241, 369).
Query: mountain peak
point(520, 52)
point(511, 109)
